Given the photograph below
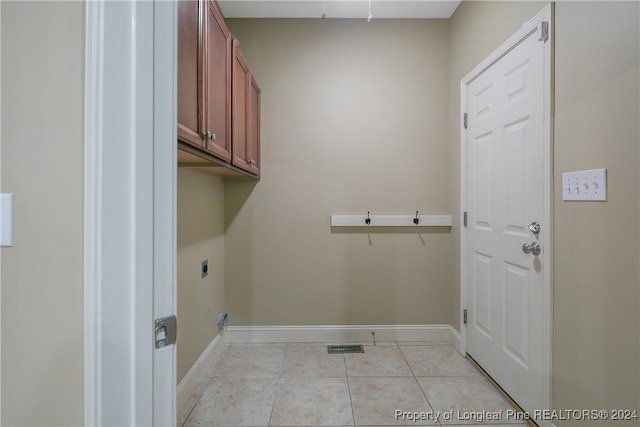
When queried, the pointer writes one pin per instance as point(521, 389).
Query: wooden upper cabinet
point(241, 76)
point(246, 116)
point(189, 73)
point(254, 125)
point(217, 83)
point(218, 99)
point(204, 78)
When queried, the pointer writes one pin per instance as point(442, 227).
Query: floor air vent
point(341, 349)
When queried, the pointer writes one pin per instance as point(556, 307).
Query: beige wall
point(596, 277)
point(354, 119)
point(42, 164)
point(596, 280)
point(200, 237)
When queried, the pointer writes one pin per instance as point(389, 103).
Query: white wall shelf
point(391, 221)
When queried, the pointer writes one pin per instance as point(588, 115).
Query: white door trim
point(129, 243)
point(532, 25)
point(91, 280)
point(165, 170)
point(0, 191)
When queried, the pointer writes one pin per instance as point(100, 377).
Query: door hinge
point(464, 316)
point(543, 31)
point(465, 120)
point(464, 218)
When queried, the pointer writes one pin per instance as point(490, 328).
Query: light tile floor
point(302, 385)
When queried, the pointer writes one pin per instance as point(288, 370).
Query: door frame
point(533, 25)
point(129, 211)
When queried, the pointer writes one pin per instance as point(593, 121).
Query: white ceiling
point(380, 9)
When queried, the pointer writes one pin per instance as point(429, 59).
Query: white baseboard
point(190, 381)
point(455, 339)
point(342, 333)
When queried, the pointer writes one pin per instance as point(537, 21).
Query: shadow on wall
point(199, 213)
point(419, 231)
point(390, 230)
point(239, 258)
point(237, 193)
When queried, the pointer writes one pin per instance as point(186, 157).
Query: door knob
point(534, 227)
point(533, 247)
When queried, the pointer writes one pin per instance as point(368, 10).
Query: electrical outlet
point(585, 185)
point(205, 268)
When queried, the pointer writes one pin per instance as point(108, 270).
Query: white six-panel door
point(505, 195)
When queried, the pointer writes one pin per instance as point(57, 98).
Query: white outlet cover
point(6, 220)
point(587, 185)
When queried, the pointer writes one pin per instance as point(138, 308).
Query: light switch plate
point(585, 185)
point(6, 219)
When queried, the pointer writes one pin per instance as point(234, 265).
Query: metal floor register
point(341, 349)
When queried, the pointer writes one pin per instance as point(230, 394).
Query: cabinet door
point(217, 84)
point(189, 73)
point(254, 127)
point(241, 111)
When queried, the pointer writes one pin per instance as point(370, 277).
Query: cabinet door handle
point(252, 162)
point(211, 136)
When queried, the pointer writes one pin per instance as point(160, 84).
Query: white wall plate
point(585, 185)
point(6, 220)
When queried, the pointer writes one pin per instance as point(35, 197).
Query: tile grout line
point(280, 382)
point(222, 359)
point(346, 374)
point(211, 378)
point(415, 378)
point(502, 393)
